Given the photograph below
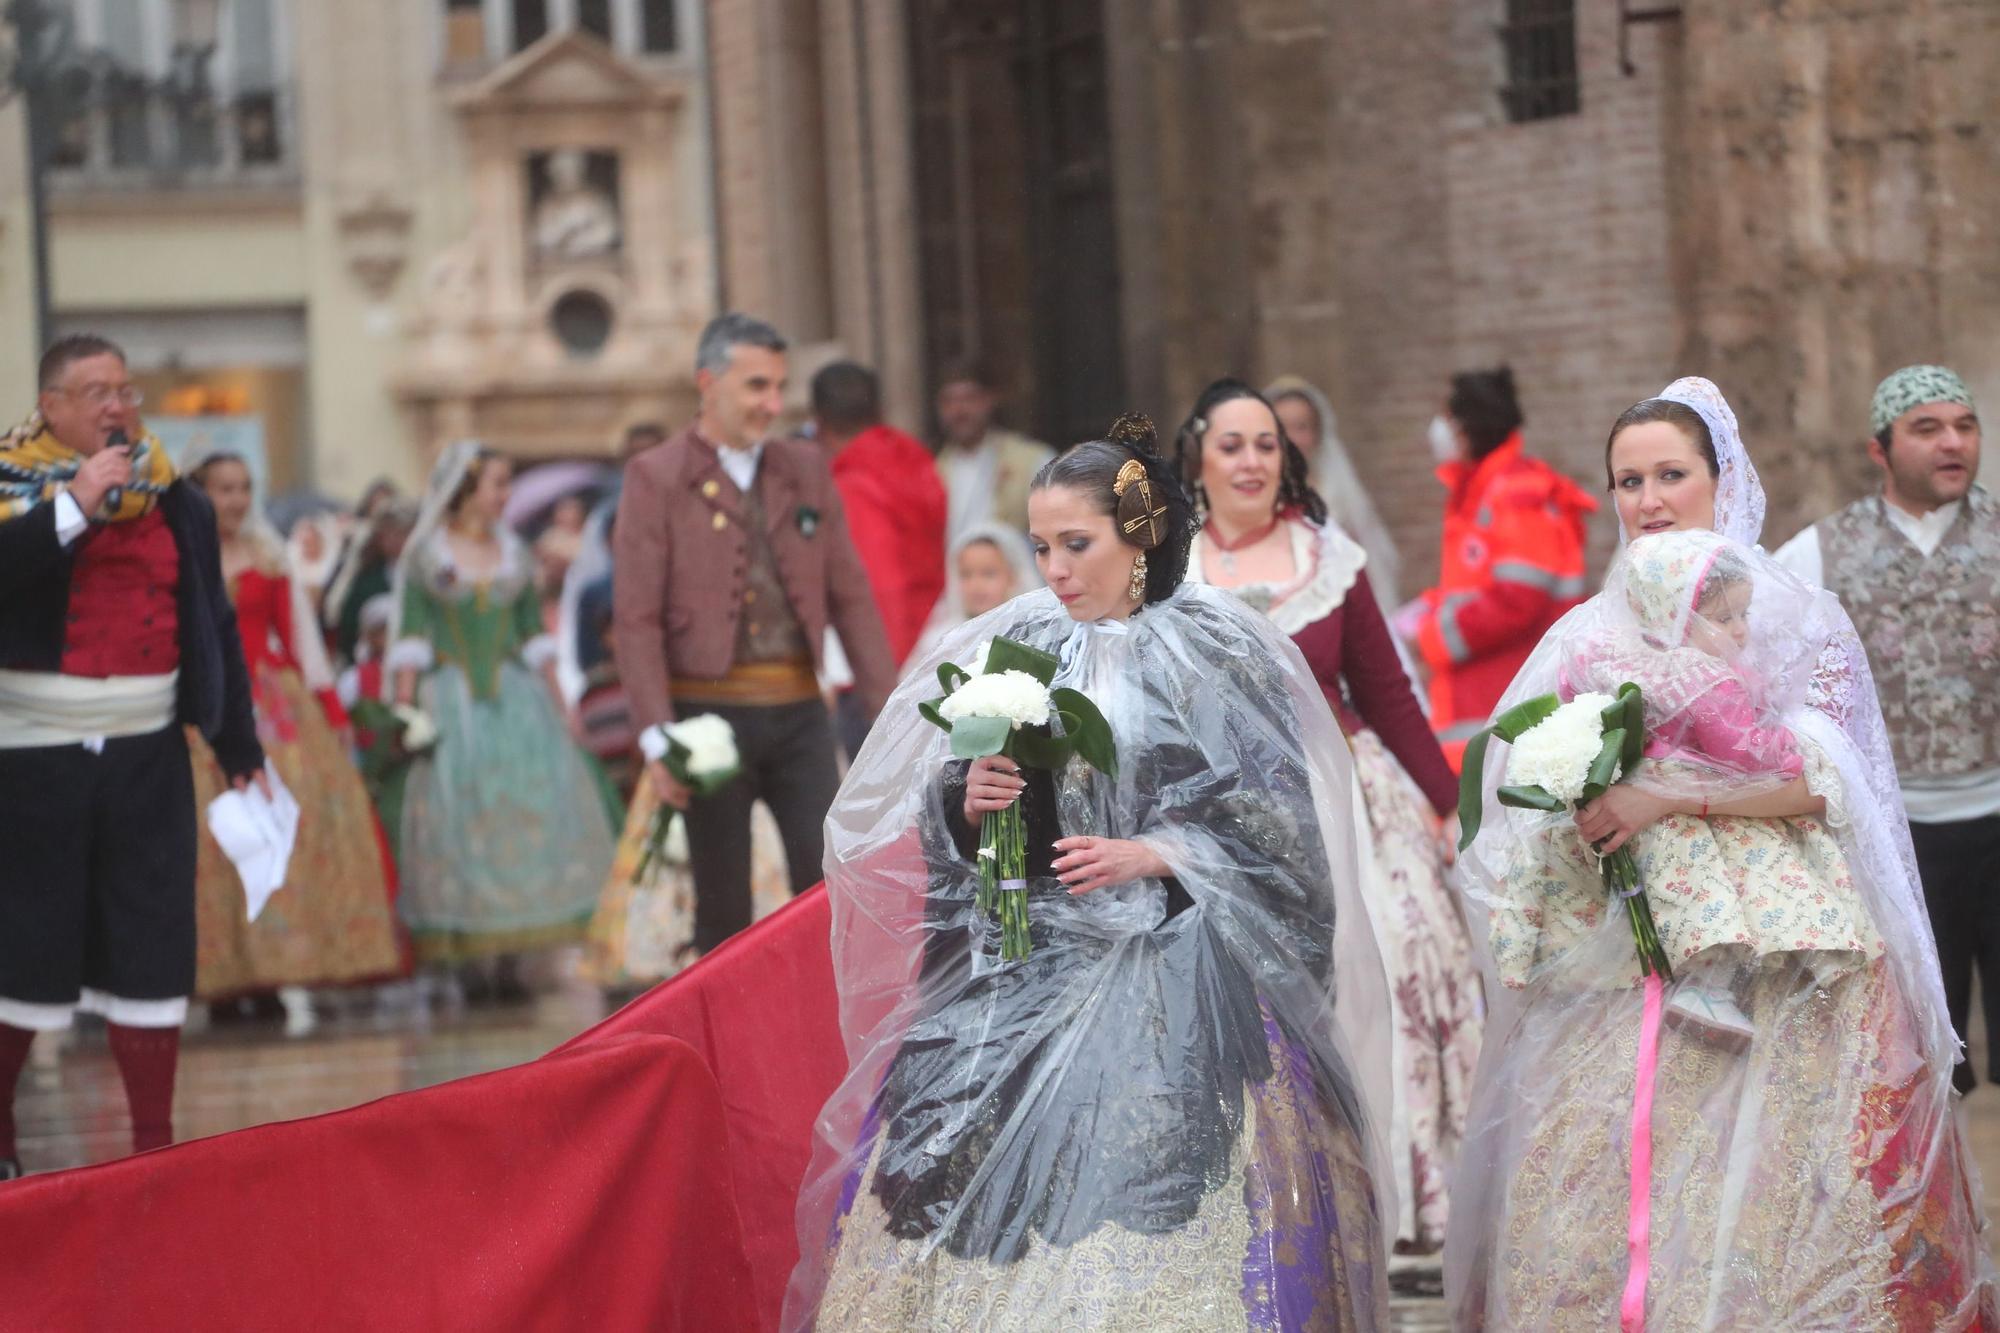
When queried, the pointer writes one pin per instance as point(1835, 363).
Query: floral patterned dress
point(332, 921)
point(1329, 609)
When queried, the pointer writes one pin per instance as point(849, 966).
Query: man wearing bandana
point(733, 558)
point(1918, 569)
point(115, 633)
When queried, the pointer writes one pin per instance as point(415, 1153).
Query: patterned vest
point(124, 601)
point(1932, 629)
point(768, 629)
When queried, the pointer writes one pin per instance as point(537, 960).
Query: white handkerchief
point(256, 832)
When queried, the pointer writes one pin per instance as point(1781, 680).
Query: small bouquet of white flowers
point(701, 754)
point(1566, 755)
point(419, 733)
point(1005, 705)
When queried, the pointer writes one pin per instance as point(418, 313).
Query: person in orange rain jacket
point(1512, 561)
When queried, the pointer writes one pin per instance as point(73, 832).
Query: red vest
point(124, 608)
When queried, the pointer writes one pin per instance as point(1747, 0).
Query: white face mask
point(1443, 440)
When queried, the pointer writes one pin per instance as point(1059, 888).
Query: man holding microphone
point(116, 631)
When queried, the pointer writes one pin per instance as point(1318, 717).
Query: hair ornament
point(1141, 521)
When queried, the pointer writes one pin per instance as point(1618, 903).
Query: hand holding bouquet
point(701, 754)
point(396, 733)
point(1005, 706)
point(1566, 755)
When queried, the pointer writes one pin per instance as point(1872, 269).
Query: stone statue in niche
point(574, 213)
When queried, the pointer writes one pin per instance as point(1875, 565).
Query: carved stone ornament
point(376, 234)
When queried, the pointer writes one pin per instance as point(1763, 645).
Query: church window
point(1539, 38)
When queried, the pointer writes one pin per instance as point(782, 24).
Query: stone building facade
point(1109, 202)
point(1104, 202)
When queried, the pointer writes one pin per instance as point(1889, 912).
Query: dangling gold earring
point(1137, 590)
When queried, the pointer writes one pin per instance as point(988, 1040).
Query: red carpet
point(639, 1177)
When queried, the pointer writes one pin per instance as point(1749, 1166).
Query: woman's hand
point(1098, 863)
point(1609, 822)
point(991, 784)
point(1448, 834)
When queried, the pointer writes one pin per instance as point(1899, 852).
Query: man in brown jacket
point(732, 559)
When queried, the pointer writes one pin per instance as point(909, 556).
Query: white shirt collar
point(741, 464)
point(1926, 532)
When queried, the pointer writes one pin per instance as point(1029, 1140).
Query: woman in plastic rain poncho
point(1162, 1117)
point(1793, 1082)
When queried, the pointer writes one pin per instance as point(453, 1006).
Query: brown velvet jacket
point(680, 575)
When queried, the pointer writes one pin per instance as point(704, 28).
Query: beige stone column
point(18, 353)
point(370, 123)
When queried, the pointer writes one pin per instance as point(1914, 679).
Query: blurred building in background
point(405, 220)
point(379, 224)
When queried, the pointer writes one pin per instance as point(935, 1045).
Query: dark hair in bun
point(1125, 477)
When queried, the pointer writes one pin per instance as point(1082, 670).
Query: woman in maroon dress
point(1266, 536)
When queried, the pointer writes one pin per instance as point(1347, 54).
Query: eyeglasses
point(97, 395)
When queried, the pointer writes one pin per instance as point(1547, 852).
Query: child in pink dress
point(1777, 889)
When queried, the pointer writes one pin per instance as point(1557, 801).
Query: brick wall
point(1559, 240)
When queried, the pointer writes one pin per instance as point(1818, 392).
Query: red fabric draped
point(641, 1176)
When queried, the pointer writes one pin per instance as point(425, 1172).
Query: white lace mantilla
point(1328, 562)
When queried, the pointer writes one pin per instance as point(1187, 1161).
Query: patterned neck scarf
point(35, 467)
point(1913, 386)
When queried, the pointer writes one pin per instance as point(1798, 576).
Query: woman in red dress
point(331, 922)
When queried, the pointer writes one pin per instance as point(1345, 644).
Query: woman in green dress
point(505, 839)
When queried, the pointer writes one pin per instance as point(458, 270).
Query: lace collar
point(1327, 562)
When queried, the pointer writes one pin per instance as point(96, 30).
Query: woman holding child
point(1792, 1082)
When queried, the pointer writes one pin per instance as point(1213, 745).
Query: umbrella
point(537, 490)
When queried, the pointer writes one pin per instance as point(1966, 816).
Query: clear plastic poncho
point(1163, 1118)
point(1806, 1172)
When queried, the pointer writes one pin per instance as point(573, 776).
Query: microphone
point(116, 495)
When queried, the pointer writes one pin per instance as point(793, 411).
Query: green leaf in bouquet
point(710, 783)
point(1035, 747)
point(951, 675)
point(1633, 722)
point(1525, 716)
point(1604, 768)
point(1471, 775)
point(977, 737)
point(1530, 798)
point(932, 716)
point(1010, 655)
point(1086, 726)
point(675, 761)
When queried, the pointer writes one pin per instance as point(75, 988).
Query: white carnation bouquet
point(1566, 755)
point(419, 733)
point(701, 754)
point(1005, 705)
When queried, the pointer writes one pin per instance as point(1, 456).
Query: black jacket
point(35, 573)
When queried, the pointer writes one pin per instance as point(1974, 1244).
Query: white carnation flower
point(1014, 695)
point(977, 667)
point(710, 743)
point(1557, 752)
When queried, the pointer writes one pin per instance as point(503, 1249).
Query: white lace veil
point(447, 475)
point(1347, 500)
point(1739, 495)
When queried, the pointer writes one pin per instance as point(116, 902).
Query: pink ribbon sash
point(1639, 1221)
